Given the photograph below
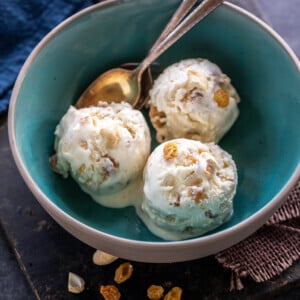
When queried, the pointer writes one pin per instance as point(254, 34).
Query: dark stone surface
point(36, 254)
point(10, 272)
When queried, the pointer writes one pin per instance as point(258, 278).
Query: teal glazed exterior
point(264, 142)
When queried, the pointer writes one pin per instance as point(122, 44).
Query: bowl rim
point(146, 251)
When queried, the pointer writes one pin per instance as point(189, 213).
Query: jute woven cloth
point(271, 249)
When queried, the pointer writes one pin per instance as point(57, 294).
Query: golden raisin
point(174, 294)
point(131, 131)
point(123, 272)
point(155, 292)
point(170, 151)
point(221, 97)
point(110, 292)
point(209, 168)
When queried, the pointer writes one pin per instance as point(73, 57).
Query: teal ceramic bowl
point(264, 142)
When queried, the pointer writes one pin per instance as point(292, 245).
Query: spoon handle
point(200, 12)
point(179, 14)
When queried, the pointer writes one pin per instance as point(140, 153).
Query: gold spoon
point(94, 92)
point(125, 85)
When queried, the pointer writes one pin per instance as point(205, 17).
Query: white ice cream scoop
point(104, 149)
point(188, 189)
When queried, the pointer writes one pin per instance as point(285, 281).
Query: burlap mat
point(270, 250)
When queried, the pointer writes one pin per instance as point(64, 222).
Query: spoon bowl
point(117, 85)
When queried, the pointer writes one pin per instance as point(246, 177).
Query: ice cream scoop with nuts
point(193, 99)
point(188, 189)
point(104, 149)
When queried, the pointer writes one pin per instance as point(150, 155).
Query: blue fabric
point(22, 25)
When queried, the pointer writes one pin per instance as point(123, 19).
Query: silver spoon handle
point(200, 12)
point(179, 14)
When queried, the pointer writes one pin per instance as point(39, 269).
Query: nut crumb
point(94, 121)
point(170, 151)
point(155, 292)
point(209, 169)
point(174, 294)
point(111, 138)
point(131, 131)
point(81, 169)
point(157, 117)
point(110, 292)
point(221, 97)
point(225, 164)
point(84, 145)
point(200, 151)
point(113, 161)
point(123, 272)
point(190, 160)
point(199, 197)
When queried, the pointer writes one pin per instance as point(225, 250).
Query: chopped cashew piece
point(75, 283)
point(101, 258)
